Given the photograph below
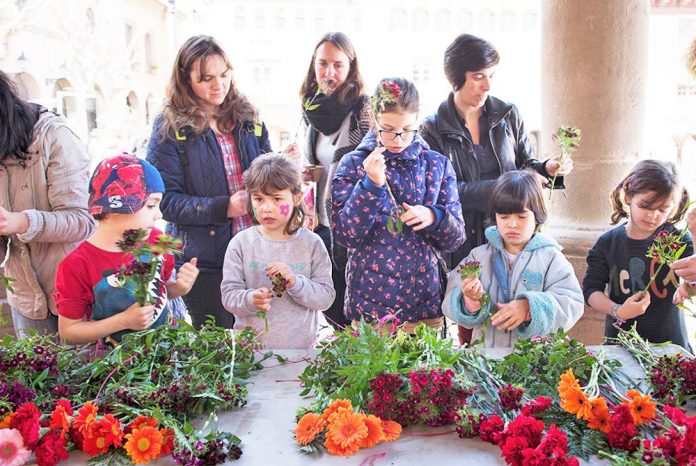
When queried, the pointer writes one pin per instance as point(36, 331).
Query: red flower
point(167, 442)
point(676, 415)
point(542, 403)
point(111, 428)
point(554, 442)
point(97, 442)
point(60, 417)
point(490, 427)
point(623, 431)
point(139, 422)
point(26, 421)
point(51, 449)
point(86, 418)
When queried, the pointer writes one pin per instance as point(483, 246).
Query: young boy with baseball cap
point(125, 194)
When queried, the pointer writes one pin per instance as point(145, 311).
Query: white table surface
point(266, 425)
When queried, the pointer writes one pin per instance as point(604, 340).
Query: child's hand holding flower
point(683, 293)
point(510, 315)
point(417, 216)
point(634, 306)
point(138, 317)
point(375, 167)
point(275, 268)
point(262, 299)
point(472, 289)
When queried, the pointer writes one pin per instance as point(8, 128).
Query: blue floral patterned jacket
point(390, 272)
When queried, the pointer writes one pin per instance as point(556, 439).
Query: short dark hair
point(100, 217)
point(468, 53)
point(515, 191)
point(408, 100)
point(18, 118)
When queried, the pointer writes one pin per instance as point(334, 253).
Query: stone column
point(594, 69)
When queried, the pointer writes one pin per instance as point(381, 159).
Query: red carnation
point(623, 431)
point(490, 427)
point(51, 449)
point(26, 421)
point(533, 407)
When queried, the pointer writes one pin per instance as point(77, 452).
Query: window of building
point(397, 20)
point(487, 21)
point(239, 18)
point(465, 20)
point(128, 34)
point(280, 20)
point(320, 20)
point(260, 19)
point(300, 20)
point(508, 21)
point(443, 20)
point(421, 19)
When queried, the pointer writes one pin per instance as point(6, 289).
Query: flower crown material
point(388, 92)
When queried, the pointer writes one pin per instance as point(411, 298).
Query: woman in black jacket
point(205, 138)
point(483, 136)
point(336, 111)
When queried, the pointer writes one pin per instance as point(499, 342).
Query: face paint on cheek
point(285, 210)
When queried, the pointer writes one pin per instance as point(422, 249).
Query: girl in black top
point(652, 200)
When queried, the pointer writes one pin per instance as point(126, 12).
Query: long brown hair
point(353, 86)
point(183, 108)
point(654, 176)
point(270, 173)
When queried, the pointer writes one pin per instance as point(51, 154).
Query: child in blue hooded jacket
point(395, 206)
point(531, 287)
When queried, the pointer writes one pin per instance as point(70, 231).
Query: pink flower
point(12, 451)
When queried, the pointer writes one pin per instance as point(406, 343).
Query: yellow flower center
point(101, 442)
point(143, 444)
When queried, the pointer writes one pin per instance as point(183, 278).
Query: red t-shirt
point(89, 269)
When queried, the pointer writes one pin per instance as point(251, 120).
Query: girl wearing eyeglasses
point(395, 207)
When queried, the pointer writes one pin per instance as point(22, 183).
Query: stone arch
point(28, 86)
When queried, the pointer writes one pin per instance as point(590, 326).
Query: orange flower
point(575, 402)
point(112, 430)
point(392, 430)
point(5, 423)
point(375, 432)
point(144, 445)
point(167, 442)
point(600, 416)
point(60, 417)
point(98, 441)
point(335, 406)
point(336, 449)
point(642, 409)
point(141, 421)
point(85, 419)
point(308, 428)
point(347, 428)
point(568, 382)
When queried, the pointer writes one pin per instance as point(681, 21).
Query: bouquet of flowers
point(142, 268)
point(568, 139)
point(473, 268)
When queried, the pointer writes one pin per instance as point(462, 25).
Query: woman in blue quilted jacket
point(204, 140)
point(395, 207)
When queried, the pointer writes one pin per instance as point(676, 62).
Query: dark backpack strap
point(182, 150)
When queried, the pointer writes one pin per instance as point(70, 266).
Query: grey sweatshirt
point(293, 318)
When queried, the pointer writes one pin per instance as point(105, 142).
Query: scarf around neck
point(325, 113)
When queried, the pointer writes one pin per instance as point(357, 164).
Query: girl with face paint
point(291, 293)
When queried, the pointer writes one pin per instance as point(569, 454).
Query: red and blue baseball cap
point(121, 185)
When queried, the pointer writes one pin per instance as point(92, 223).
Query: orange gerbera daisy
point(375, 432)
point(642, 409)
point(85, 419)
point(392, 430)
point(308, 428)
point(575, 402)
point(141, 420)
point(6, 421)
point(347, 428)
point(112, 428)
point(97, 443)
point(60, 417)
point(600, 416)
point(336, 449)
point(335, 406)
point(144, 445)
point(568, 382)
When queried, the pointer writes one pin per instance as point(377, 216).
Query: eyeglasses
point(391, 135)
